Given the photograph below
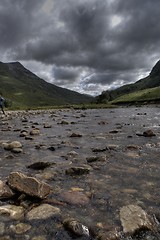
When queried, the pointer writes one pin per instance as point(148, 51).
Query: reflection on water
point(129, 174)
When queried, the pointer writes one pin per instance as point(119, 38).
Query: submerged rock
point(76, 227)
point(12, 212)
point(78, 170)
point(134, 218)
point(75, 198)
point(43, 211)
point(39, 165)
point(20, 228)
point(28, 185)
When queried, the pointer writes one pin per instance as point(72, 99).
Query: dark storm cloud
point(64, 73)
point(93, 43)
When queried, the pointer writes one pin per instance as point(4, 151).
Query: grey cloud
point(64, 73)
point(72, 36)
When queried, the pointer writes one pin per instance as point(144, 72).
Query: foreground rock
point(134, 218)
point(28, 185)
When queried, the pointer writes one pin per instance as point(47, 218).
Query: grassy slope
point(152, 94)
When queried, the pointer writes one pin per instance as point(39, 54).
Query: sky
point(88, 46)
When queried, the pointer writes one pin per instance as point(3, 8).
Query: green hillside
point(151, 81)
point(24, 89)
point(146, 95)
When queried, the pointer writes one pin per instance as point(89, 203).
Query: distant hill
point(119, 94)
point(24, 89)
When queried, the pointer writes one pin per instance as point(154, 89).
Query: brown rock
point(43, 211)
point(149, 133)
point(35, 132)
point(76, 227)
point(78, 170)
point(134, 218)
point(28, 185)
point(39, 165)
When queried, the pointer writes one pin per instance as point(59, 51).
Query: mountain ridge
point(25, 89)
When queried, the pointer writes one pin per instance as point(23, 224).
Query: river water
point(128, 171)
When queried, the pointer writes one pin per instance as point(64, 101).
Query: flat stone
point(43, 211)
point(28, 185)
point(134, 218)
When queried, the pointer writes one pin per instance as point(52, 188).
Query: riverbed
point(123, 165)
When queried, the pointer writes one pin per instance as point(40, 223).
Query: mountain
point(147, 83)
point(24, 89)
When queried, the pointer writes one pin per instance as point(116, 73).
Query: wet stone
point(47, 125)
point(17, 150)
point(78, 170)
point(35, 132)
point(12, 145)
point(12, 212)
point(23, 133)
point(39, 165)
point(96, 159)
point(76, 135)
point(149, 133)
point(134, 218)
point(43, 211)
point(75, 198)
point(28, 185)
point(76, 227)
point(20, 228)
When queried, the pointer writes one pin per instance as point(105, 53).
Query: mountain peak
point(155, 70)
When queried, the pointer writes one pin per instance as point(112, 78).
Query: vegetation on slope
point(146, 95)
point(151, 81)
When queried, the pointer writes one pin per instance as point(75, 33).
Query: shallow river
point(127, 170)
